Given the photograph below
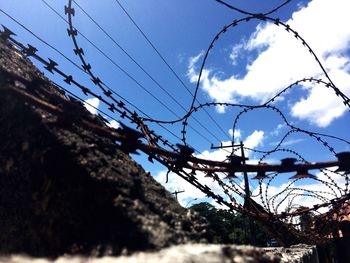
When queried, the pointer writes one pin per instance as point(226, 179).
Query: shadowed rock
point(66, 189)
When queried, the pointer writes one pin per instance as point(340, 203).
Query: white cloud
point(217, 155)
point(321, 107)
point(284, 60)
point(236, 52)
point(278, 129)
point(254, 140)
point(92, 105)
point(113, 124)
point(191, 71)
point(237, 134)
point(190, 193)
point(289, 142)
point(175, 183)
point(216, 92)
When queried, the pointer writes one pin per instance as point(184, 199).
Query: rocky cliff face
point(66, 189)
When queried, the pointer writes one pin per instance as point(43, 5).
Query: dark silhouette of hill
point(66, 188)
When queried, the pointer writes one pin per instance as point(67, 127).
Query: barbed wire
point(180, 159)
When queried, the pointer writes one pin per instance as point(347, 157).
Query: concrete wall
point(195, 253)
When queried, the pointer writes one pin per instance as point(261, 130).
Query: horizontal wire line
point(168, 65)
point(77, 66)
point(134, 60)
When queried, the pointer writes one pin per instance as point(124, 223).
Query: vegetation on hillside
point(229, 228)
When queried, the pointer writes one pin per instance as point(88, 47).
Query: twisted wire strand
point(182, 165)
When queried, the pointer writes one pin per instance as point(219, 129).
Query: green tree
point(306, 219)
point(227, 227)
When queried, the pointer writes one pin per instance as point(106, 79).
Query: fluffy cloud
point(113, 124)
point(278, 129)
point(175, 183)
point(237, 134)
point(283, 60)
point(217, 91)
point(235, 52)
point(191, 72)
point(92, 105)
point(332, 108)
point(191, 194)
point(254, 140)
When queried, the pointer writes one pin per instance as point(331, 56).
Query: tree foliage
point(227, 228)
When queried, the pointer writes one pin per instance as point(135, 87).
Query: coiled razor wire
point(279, 212)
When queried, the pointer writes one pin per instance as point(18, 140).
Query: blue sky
point(249, 64)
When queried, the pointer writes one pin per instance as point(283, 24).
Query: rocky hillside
point(65, 188)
